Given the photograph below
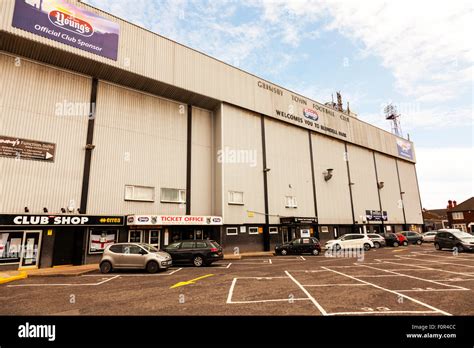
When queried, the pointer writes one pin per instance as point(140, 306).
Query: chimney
point(450, 204)
point(454, 204)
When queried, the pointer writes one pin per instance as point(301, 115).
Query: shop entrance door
point(68, 246)
point(284, 235)
point(154, 238)
point(30, 249)
point(198, 234)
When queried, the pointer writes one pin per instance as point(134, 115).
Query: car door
point(295, 246)
point(357, 241)
point(133, 256)
point(305, 245)
point(450, 240)
point(186, 251)
point(172, 249)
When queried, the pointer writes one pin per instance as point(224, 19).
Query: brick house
point(435, 219)
point(461, 216)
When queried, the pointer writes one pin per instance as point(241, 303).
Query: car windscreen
point(214, 244)
point(150, 248)
point(462, 235)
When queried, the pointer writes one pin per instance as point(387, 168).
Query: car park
point(428, 237)
point(134, 256)
point(402, 240)
point(298, 246)
point(350, 241)
point(196, 252)
point(454, 239)
point(391, 239)
point(413, 237)
point(379, 240)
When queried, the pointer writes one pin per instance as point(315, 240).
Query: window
point(139, 193)
point(116, 249)
point(154, 238)
point(461, 227)
point(170, 195)
point(297, 241)
point(253, 230)
point(201, 245)
point(324, 229)
point(358, 237)
point(231, 231)
point(133, 249)
point(187, 245)
point(174, 245)
point(236, 197)
point(290, 202)
point(306, 241)
point(135, 236)
point(273, 230)
point(458, 216)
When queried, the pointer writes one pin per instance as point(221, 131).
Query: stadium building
point(109, 132)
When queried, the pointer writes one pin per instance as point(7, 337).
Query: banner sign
point(100, 239)
point(173, 220)
point(61, 21)
point(298, 220)
point(60, 220)
point(405, 149)
point(27, 149)
point(376, 215)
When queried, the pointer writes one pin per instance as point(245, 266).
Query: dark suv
point(308, 245)
point(413, 237)
point(198, 252)
point(451, 239)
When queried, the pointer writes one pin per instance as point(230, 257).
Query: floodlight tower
point(392, 115)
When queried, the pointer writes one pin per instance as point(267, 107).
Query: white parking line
point(429, 290)
point(393, 292)
point(444, 263)
point(322, 285)
point(420, 267)
point(413, 277)
point(382, 313)
point(318, 306)
point(448, 257)
point(92, 284)
point(270, 261)
point(302, 258)
point(289, 300)
point(259, 278)
point(228, 266)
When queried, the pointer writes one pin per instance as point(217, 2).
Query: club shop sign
point(60, 220)
point(61, 21)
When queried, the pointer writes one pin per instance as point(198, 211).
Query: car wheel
point(460, 248)
point(395, 244)
point(283, 252)
point(105, 267)
point(315, 252)
point(405, 243)
point(437, 247)
point(152, 267)
point(376, 245)
point(419, 241)
point(366, 246)
point(198, 261)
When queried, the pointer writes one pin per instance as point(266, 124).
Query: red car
point(402, 239)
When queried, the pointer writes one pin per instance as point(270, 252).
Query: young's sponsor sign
point(61, 21)
point(405, 149)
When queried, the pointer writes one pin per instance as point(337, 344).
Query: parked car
point(309, 245)
point(379, 241)
point(391, 239)
point(402, 239)
point(413, 237)
point(134, 256)
point(429, 236)
point(198, 252)
point(450, 239)
point(351, 240)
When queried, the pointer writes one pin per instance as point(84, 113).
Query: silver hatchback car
point(134, 256)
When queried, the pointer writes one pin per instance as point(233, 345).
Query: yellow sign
point(50, 232)
point(260, 230)
point(250, 214)
point(192, 281)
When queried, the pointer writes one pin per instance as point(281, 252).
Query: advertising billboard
point(61, 21)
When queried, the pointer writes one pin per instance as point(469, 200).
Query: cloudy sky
point(417, 55)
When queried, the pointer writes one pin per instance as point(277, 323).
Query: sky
point(416, 54)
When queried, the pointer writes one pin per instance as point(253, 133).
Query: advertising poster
point(61, 21)
point(405, 149)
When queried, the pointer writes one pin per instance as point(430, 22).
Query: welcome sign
point(61, 21)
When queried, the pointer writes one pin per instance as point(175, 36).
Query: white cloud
point(443, 174)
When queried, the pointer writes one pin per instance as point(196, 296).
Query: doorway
point(284, 235)
point(30, 249)
point(68, 246)
point(154, 238)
